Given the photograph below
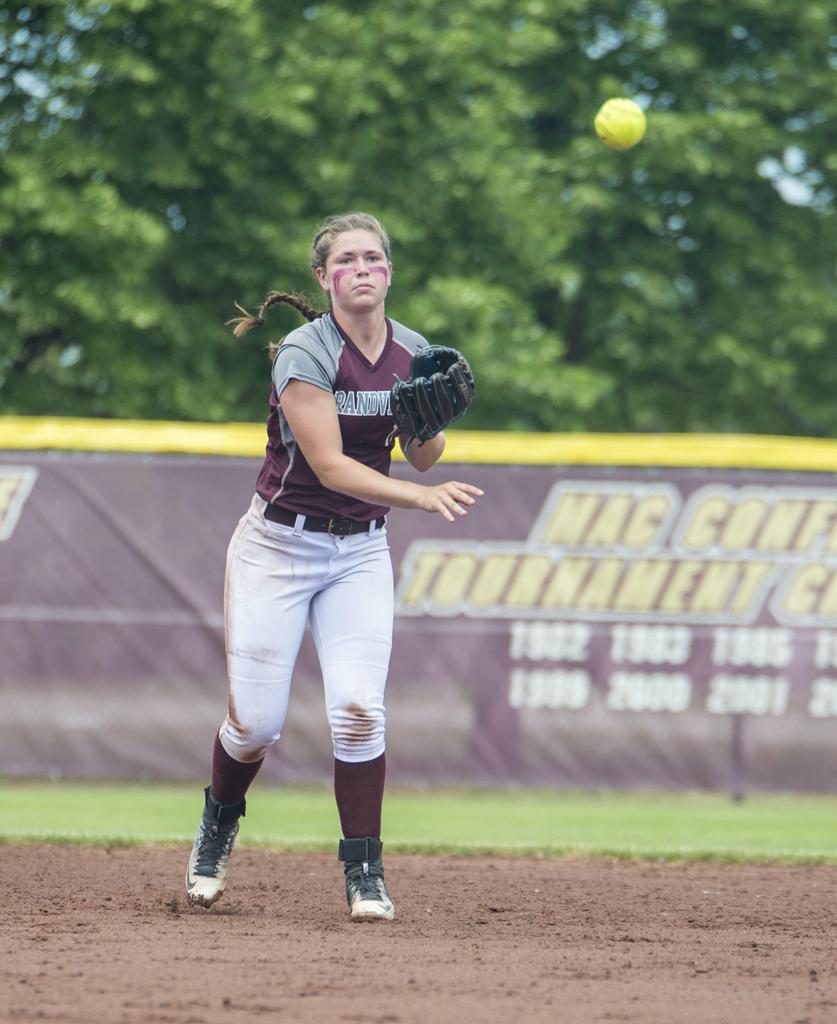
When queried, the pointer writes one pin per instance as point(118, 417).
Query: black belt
point(336, 526)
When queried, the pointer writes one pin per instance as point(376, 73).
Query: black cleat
point(206, 874)
point(366, 891)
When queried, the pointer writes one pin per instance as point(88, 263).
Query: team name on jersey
point(362, 403)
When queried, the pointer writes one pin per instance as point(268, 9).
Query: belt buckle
point(334, 524)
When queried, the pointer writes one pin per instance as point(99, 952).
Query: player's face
point(357, 274)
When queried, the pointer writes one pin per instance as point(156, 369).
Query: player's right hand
point(449, 500)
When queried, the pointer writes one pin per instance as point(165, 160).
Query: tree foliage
point(161, 160)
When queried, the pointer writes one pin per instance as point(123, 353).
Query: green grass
point(509, 822)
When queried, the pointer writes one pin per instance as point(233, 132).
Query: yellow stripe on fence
point(18, 433)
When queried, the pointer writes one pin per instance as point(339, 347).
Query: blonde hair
point(334, 226)
point(327, 232)
point(247, 321)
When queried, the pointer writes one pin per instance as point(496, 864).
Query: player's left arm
point(423, 456)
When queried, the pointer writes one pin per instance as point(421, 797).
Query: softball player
point(312, 549)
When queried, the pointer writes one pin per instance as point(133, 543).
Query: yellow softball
point(620, 123)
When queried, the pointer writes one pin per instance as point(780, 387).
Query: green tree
point(161, 160)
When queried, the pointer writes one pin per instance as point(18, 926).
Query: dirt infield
point(97, 936)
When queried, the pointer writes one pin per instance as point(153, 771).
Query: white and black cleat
point(369, 900)
point(366, 891)
point(206, 873)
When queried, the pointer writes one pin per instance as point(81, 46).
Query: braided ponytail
point(247, 321)
point(323, 241)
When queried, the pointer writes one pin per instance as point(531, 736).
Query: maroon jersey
point(321, 353)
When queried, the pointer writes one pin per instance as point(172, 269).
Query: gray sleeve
point(410, 340)
point(300, 357)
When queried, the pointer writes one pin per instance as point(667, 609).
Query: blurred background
point(160, 161)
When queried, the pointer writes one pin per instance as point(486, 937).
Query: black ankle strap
point(224, 814)
point(366, 849)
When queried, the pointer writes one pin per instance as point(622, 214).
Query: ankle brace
point(360, 850)
point(222, 814)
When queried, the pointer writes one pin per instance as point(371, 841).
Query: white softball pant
point(278, 579)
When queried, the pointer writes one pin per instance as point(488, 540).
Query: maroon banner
point(584, 626)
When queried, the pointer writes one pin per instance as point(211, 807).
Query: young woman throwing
point(312, 549)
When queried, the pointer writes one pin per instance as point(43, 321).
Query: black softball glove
point(438, 392)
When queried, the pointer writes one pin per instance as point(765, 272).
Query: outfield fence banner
point(585, 626)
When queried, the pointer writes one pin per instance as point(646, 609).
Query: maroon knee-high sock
point(230, 778)
point(359, 792)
